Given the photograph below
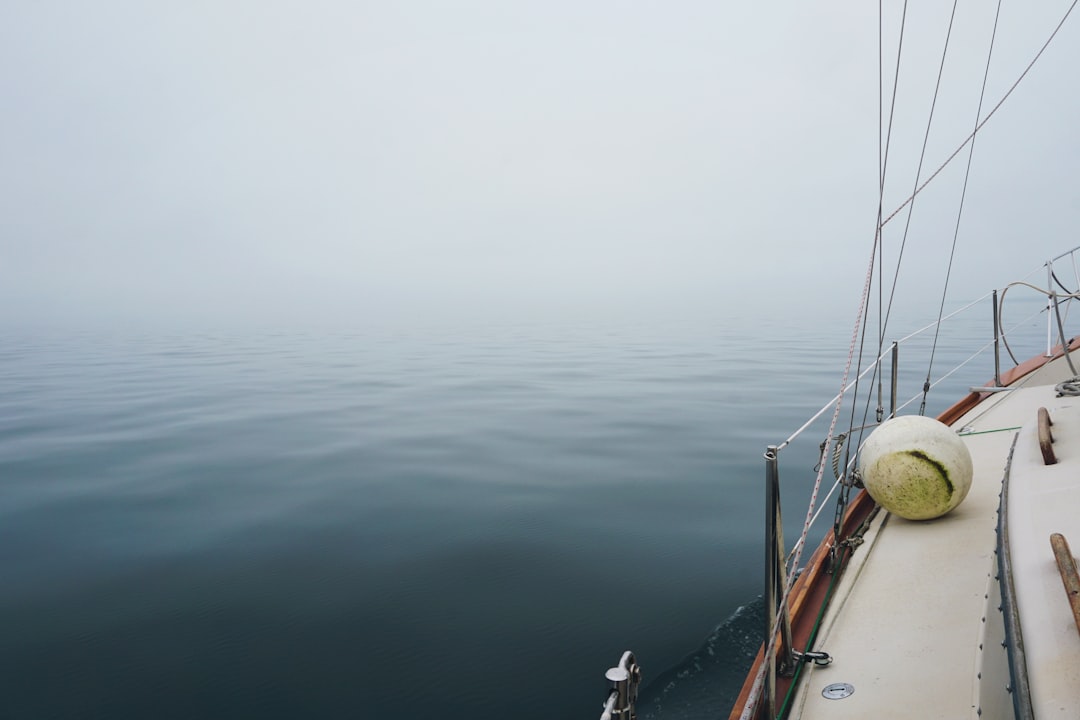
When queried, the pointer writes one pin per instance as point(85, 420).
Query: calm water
point(391, 524)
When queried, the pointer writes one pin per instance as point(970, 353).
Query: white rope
point(1036, 288)
point(755, 690)
point(824, 504)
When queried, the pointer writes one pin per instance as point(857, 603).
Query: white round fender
point(916, 467)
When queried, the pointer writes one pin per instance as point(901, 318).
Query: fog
point(232, 163)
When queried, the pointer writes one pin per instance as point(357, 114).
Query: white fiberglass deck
point(906, 622)
point(1044, 499)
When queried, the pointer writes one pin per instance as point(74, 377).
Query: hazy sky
point(222, 162)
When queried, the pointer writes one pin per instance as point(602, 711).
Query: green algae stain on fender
point(940, 468)
point(916, 467)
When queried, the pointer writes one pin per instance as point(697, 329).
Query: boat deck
point(905, 630)
point(1044, 499)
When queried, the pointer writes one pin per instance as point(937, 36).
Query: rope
point(1001, 309)
point(809, 644)
point(837, 452)
point(755, 689)
point(853, 541)
point(813, 634)
point(879, 238)
point(903, 241)
point(1068, 388)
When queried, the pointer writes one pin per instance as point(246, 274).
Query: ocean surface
point(388, 524)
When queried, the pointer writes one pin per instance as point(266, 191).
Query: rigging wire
point(759, 678)
point(1061, 284)
point(959, 212)
point(882, 306)
point(859, 328)
point(883, 158)
point(879, 238)
point(922, 158)
point(881, 171)
point(879, 250)
point(989, 115)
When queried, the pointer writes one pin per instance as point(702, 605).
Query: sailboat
point(946, 585)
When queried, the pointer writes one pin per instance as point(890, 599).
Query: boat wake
point(707, 682)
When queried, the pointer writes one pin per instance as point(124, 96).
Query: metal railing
point(780, 657)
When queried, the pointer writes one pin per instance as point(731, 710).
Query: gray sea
point(467, 522)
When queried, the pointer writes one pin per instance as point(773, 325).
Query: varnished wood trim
point(1008, 377)
point(806, 597)
point(1069, 577)
point(810, 589)
point(1046, 438)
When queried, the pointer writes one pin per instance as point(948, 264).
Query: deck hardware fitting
point(837, 691)
point(624, 680)
point(821, 659)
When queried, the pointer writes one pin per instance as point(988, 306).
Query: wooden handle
point(1069, 577)
point(1045, 438)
